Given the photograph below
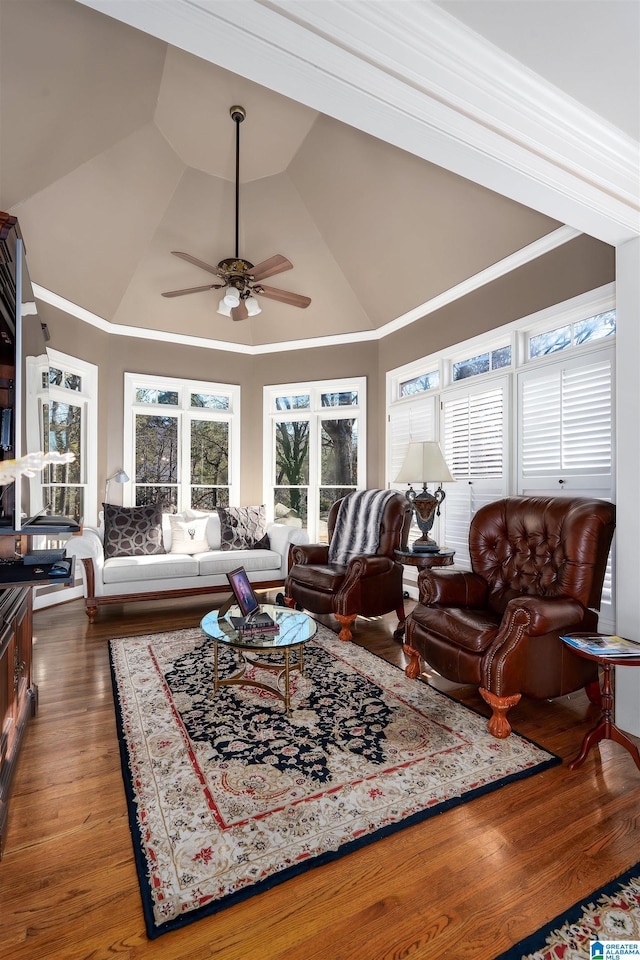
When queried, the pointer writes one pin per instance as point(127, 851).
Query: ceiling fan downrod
point(237, 114)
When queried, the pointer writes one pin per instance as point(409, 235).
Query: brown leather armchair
point(538, 565)
point(366, 584)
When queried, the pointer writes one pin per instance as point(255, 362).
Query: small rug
point(611, 914)
point(229, 796)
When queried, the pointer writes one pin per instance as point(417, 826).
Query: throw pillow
point(189, 536)
point(243, 528)
point(132, 531)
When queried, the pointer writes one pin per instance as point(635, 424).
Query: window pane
point(65, 501)
point(63, 432)
point(348, 399)
point(501, 358)
point(151, 395)
point(290, 506)
point(339, 454)
point(471, 367)
point(167, 497)
point(328, 496)
point(292, 452)
point(156, 450)
point(72, 381)
point(595, 328)
point(208, 498)
point(301, 402)
point(429, 381)
point(55, 376)
point(210, 401)
point(209, 452)
point(544, 343)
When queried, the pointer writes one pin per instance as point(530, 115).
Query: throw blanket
point(357, 528)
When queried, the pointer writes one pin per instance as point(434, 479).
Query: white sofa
point(135, 578)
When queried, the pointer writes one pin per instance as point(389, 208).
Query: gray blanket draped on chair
point(357, 529)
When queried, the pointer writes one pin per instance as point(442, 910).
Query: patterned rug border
point(536, 941)
point(155, 930)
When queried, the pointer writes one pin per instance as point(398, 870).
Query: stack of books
point(256, 625)
point(599, 644)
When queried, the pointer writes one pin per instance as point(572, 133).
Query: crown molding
point(412, 75)
point(525, 255)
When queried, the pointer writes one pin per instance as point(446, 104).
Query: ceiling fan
point(241, 278)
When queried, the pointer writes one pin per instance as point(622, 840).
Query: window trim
point(184, 387)
point(314, 413)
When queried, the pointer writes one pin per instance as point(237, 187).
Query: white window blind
point(567, 439)
point(567, 420)
point(408, 421)
point(475, 448)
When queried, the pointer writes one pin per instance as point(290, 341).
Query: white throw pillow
point(189, 536)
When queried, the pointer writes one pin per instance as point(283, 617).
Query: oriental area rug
point(228, 795)
point(609, 916)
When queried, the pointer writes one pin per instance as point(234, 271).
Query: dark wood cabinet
point(18, 693)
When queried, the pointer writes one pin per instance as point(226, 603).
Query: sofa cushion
point(169, 566)
point(132, 531)
point(219, 561)
point(243, 528)
point(189, 536)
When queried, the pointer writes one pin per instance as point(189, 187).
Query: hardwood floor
point(464, 885)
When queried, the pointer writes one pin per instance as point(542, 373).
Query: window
point(64, 419)
point(572, 334)
point(314, 449)
point(182, 442)
point(483, 363)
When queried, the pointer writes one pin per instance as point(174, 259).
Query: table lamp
point(424, 463)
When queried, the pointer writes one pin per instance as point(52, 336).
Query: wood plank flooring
point(464, 885)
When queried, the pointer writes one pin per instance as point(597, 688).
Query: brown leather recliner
point(369, 585)
point(538, 566)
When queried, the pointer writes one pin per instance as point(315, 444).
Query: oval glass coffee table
point(295, 629)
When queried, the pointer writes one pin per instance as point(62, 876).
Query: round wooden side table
point(605, 729)
point(425, 561)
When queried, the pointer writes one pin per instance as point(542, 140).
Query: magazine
point(605, 646)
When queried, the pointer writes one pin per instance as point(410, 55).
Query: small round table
point(425, 561)
point(605, 729)
point(295, 629)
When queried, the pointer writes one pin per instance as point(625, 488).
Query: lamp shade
point(424, 462)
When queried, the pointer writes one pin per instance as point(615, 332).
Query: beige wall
point(574, 268)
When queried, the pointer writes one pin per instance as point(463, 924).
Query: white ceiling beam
point(411, 75)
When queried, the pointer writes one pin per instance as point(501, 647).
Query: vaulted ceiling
point(118, 148)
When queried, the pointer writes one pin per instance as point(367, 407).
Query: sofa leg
point(498, 724)
point(346, 623)
point(412, 669)
point(91, 613)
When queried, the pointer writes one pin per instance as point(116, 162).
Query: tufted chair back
point(542, 546)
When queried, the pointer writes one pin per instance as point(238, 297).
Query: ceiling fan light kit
point(240, 278)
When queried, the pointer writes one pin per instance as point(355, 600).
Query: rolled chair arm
point(543, 615)
point(452, 588)
point(309, 553)
point(368, 566)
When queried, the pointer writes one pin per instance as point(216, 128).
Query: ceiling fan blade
point(269, 268)
point(181, 293)
point(294, 299)
point(196, 262)
point(240, 312)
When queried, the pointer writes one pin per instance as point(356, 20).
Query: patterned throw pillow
point(132, 531)
point(189, 536)
point(243, 528)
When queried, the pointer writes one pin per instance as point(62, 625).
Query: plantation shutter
point(415, 420)
point(566, 428)
point(475, 448)
point(567, 439)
